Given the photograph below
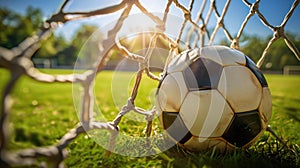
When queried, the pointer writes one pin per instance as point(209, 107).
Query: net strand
point(279, 32)
point(290, 13)
point(156, 19)
point(191, 31)
point(220, 22)
point(18, 61)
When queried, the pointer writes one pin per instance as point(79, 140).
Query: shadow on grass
point(263, 154)
point(267, 152)
point(33, 137)
point(288, 106)
point(293, 113)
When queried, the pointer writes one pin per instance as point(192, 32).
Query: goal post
point(291, 70)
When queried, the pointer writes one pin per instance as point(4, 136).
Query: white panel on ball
point(194, 53)
point(223, 55)
point(179, 63)
point(218, 118)
point(172, 92)
point(241, 88)
point(206, 113)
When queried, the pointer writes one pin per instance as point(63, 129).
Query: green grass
point(43, 113)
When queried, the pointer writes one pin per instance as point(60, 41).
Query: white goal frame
point(291, 70)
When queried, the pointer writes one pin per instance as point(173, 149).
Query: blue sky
point(274, 11)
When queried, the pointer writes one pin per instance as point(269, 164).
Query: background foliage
point(15, 28)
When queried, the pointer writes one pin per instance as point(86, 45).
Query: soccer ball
point(213, 97)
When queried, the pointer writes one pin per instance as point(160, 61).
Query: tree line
point(277, 57)
point(15, 27)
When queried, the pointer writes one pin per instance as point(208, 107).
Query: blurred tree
point(86, 44)
point(253, 47)
point(52, 46)
point(83, 45)
point(15, 27)
point(278, 56)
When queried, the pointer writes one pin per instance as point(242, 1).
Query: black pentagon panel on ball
point(257, 72)
point(243, 128)
point(202, 74)
point(175, 127)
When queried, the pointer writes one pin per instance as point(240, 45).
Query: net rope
point(18, 62)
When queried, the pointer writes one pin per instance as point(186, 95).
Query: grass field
point(43, 113)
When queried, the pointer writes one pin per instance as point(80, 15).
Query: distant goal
point(291, 70)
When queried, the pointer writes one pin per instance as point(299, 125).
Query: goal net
point(192, 31)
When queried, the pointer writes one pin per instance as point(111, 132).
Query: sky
point(274, 11)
